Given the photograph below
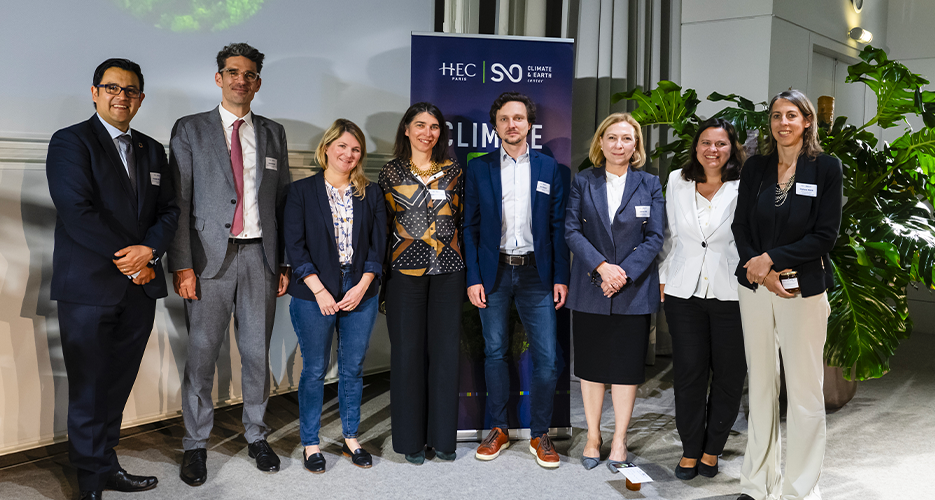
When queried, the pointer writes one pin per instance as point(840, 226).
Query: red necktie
point(237, 168)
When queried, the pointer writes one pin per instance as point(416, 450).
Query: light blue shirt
point(115, 134)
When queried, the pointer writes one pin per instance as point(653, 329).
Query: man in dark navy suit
point(116, 216)
point(515, 251)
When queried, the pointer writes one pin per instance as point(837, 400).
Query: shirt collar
point(504, 155)
point(112, 130)
point(615, 179)
point(228, 118)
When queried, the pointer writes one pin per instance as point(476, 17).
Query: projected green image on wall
point(192, 15)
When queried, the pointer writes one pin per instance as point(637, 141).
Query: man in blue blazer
point(514, 242)
point(116, 214)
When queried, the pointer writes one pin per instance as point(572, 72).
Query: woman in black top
point(423, 189)
point(787, 220)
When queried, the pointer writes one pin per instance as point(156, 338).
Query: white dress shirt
point(615, 186)
point(251, 210)
point(115, 133)
point(516, 223)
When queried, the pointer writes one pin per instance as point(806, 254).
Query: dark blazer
point(98, 213)
point(201, 163)
point(483, 195)
point(309, 237)
point(807, 237)
point(629, 241)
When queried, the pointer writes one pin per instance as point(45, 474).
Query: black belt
point(518, 260)
point(245, 241)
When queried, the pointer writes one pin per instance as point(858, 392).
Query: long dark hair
point(694, 171)
point(402, 150)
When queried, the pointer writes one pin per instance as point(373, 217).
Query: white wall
point(324, 60)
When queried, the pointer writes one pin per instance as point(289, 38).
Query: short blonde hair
point(336, 130)
point(596, 155)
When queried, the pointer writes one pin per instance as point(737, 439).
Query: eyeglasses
point(114, 89)
point(248, 76)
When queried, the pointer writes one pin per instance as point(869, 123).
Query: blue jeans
point(315, 332)
point(522, 285)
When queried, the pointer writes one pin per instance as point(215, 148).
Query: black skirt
point(611, 349)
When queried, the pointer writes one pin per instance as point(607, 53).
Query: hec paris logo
point(459, 71)
point(500, 71)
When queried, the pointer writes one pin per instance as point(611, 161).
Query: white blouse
point(615, 187)
point(703, 209)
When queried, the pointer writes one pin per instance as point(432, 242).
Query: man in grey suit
point(231, 173)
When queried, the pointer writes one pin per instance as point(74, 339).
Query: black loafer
point(91, 495)
point(686, 473)
point(707, 470)
point(359, 457)
point(266, 458)
point(126, 482)
point(417, 458)
point(443, 455)
point(314, 463)
point(744, 496)
point(194, 467)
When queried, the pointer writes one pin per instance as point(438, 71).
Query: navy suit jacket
point(308, 230)
point(629, 241)
point(98, 213)
point(483, 195)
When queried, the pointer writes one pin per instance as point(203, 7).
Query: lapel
point(805, 173)
point(721, 213)
point(358, 206)
point(535, 170)
point(324, 208)
point(260, 129)
point(597, 185)
point(216, 135)
point(634, 179)
point(107, 143)
point(140, 152)
point(496, 183)
point(685, 192)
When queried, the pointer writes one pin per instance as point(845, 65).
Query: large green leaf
point(745, 117)
point(666, 105)
point(896, 87)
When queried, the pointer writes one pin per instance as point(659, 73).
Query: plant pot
point(838, 391)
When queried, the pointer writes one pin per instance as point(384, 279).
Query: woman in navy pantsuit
point(614, 227)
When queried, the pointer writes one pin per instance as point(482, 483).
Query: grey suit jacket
point(204, 185)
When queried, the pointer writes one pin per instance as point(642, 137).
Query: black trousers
point(423, 316)
point(707, 340)
point(102, 347)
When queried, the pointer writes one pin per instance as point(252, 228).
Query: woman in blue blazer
point(614, 227)
point(696, 275)
point(335, 238)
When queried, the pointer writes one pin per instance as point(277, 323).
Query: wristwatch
point(155, 259)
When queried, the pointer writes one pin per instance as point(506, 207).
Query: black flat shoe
point(448, 457)
point(314, 463)
point(707, 470)
point(128, 483)
point(416, 458)
point(266, 458)
point(194, 469)
point(359, 457)
point(91, 495)
point(744, 496)
point(686, 473)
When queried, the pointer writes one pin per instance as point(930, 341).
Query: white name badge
point(155, 178)
point(271, 163)
point(810, 190)
point(789, 283)
point(642, 210)
point(437, 194)
point(543, 187)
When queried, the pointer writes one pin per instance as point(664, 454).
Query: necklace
point(782, 190)
point(433, 169)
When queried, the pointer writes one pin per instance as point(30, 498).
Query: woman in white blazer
point(699, 293)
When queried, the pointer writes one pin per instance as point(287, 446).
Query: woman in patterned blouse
point(335, 237)
point(423, 188)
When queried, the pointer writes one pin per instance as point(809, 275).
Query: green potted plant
point(887, 237)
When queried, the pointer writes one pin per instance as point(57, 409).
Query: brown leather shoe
point(545, 453)
point(490, 447)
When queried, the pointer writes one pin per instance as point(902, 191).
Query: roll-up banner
point(462, 75)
